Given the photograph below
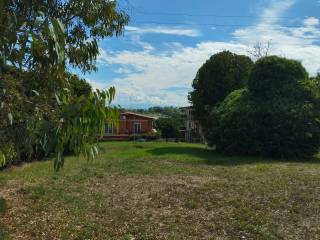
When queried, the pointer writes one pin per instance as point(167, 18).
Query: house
point(131, 126)
point(193, 130)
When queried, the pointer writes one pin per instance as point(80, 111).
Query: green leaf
point(36, 92)
point(57, 99)
point(2, 159)
point(41, 13)
point(10, 117)
point(1, 5)
point(58, 26)
point(58, 34)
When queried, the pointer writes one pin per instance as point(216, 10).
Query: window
point(108, 128)
point(137, 128)
point(123, 117)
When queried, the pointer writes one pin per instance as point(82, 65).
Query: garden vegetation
point(46, 110)
point(274, 114)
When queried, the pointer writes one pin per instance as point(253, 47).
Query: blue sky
point(166, 42)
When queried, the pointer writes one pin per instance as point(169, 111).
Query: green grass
point(162, 191)
point(3, 206)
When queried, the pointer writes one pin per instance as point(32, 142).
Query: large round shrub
point(272, 123)
point(223, 73)
point(276, 76)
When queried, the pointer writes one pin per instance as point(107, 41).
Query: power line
point(206, 41)
point(213, 24)
point(142, 12)
point(276, 27)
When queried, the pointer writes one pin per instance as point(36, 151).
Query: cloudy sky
point(167, 41)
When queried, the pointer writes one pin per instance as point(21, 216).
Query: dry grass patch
point(147, 192)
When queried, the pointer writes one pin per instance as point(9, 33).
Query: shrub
point(275, 76)
point(265, 119)
point(169, 127)
point(223, 73)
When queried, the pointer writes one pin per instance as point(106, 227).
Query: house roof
point(139, 115)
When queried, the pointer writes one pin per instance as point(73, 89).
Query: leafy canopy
point(42, 33)
point(40, 40)
point(274, 76)
point(223, 73)
point(277, 116)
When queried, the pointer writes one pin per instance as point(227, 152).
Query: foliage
point(219, 76)
point(80, 121)
point(43, 122)
point(44, 108)
point(47, 32)
point(274, 76)
point(313, 85)
point(169, 127)
point(276, 116)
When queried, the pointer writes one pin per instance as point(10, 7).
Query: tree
point(260, 50)
point(78, 86)
point(274, 76)
point(169, 127)
point(39, 41)
point(223, 73)
point(314, 85)
point(50, 32)
point(276, 116)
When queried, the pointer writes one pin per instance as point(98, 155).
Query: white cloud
point(123, 70)
point(177, 30)
point(154, 73)
point(97, 84)
point(271, 14)
point(137, 40)
point(291, 42)
point(311, 21)
point(157, 73)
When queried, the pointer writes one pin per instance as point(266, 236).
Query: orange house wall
point(126, 126)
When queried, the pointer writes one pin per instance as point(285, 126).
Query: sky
point(167, 41)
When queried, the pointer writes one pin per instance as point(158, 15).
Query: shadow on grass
point(211, 157)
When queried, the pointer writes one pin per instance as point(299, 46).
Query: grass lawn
point(162, 191)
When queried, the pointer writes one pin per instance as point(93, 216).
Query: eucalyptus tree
point(40, 41)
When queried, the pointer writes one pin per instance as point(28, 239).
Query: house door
point(137, 128)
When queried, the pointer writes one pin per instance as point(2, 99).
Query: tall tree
point(275, 116)
point(47, 32)
point(39, 41)
point(223, 73)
